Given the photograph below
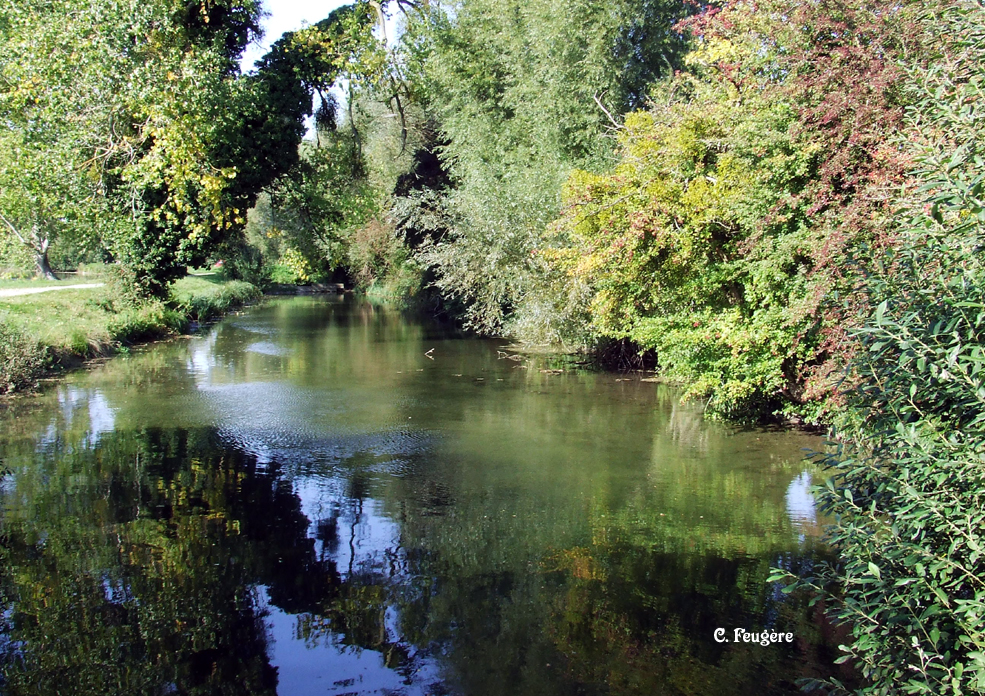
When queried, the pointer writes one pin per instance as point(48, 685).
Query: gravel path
point(13, 292)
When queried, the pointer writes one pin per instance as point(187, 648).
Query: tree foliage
point(512, 87)
point(739, 194)
point(907, 484)
point(307, 218)
point(134, 124)
point(254, 139)
point(122, 100)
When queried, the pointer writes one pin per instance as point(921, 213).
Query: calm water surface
point(324, 497)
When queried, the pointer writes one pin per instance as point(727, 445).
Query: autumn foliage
point(748, 199)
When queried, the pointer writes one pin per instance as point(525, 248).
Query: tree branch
point(14, 230)
point(612, 120)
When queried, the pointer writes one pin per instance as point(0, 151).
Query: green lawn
point(67, 319)
point(92, 273)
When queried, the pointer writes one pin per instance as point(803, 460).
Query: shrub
point(378, 257)
point(907, 490)
point(294, 268)
point(146, 322)
point(128, 286)
point(241, 261)
point(738, 196)
point(22, 360)
point(204, 304)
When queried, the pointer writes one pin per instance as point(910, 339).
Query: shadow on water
point(205, 518)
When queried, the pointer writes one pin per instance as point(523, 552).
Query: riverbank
point(41, 333)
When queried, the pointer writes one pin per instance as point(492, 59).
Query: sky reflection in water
point(358, 518)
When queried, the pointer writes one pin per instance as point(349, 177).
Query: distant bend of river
point(322, 496)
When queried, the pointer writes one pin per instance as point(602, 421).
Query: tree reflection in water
point(528, 534)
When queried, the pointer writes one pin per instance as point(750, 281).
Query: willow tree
point(522, 93)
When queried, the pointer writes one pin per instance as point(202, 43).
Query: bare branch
point(605, 111)
point(403, 6)
point(14, 230)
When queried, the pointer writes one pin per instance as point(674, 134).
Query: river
point(323, 496)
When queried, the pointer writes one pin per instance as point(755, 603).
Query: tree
point(109, 102)
point(740, 197)
point(145, 102)
point(512, 87)
point(205, 168)
point(47, 188)
point(35, 195)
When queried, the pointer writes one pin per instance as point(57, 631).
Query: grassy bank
point(43, 332)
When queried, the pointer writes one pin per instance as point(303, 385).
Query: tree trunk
point(38, 242)
point(44, 269)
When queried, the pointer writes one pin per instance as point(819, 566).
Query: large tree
point(520, 91)
point(106, 101)
point(145, 101)
point(38, 197)
point(56, 100)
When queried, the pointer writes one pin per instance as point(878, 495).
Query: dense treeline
point(703, 184)
point(781, 202)
point(741, 192)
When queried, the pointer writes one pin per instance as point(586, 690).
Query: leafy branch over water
point(908, 482)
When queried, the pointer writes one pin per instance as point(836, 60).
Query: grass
point(49, 330)
point(91, 273)
point(203, 296)
point(36, 283)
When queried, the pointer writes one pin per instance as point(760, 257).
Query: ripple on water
point(253, 327)
point(267, 348)
point(319, 456)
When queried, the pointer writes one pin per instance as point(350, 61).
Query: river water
point(322, 496)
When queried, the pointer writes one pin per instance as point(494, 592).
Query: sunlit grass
point(202, 296)
point(86, 274)
point(41, 283)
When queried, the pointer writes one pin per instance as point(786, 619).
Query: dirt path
point(13, 292)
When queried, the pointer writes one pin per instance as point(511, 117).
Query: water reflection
point(334, 512)
point(801, 506)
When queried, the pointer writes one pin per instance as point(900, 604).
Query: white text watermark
point(741, 635)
